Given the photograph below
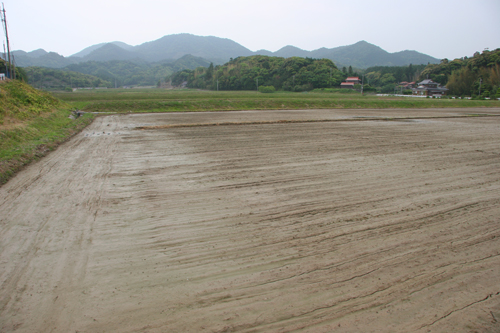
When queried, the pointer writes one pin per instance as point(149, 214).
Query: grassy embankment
point(159, 100)
point(32, 123)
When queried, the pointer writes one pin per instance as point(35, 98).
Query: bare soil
point(367, 222)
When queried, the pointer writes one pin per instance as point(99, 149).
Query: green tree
point(461, 82)
point(209, 72)
point(387, 79)
point(242, 73)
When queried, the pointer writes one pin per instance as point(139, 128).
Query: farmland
point(161, 100)
point(345, 220)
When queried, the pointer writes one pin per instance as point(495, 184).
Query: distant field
point(161, 100)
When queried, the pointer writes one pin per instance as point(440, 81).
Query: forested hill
point(108, 74)
point(218, 50)
point(246, 73)
point(56, 79)
point(468, 76)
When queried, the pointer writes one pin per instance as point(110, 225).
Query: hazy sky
point(439, 28)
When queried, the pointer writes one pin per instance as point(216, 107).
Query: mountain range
point(218, 50)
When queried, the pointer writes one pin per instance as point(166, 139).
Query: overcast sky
point(440, 28)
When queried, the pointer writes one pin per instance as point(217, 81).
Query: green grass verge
point(22, 145)
point(32, 123)
point(21, 102)
point(160, 100)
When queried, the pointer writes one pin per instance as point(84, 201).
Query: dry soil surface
point(310, 221)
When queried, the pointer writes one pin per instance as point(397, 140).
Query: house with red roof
point(407, 85)
point(353, 79)
point(350, 82)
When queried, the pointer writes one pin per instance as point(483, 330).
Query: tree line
point(248, 73)
point(20, 73)
point(115, 73)
point(291, 74)
point(478, 75)
point(386, 78)
point(56, 79)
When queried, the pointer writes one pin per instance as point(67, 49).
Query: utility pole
point(362, 82)
point(10, 73)
point(5, 56)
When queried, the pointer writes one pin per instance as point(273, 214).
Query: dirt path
point(351, 226)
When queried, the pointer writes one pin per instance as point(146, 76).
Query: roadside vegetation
point(32, 123)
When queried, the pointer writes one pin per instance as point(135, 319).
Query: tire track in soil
point(45, 246)
point(345, 226)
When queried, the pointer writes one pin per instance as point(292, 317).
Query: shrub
point(303, 87)
point(267, 89)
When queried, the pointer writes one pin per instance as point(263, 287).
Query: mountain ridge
point(220, 50)
point(91, 48)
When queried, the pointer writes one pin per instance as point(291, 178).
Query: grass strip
point(159, 100)
point(276, 104)
point(24, 144)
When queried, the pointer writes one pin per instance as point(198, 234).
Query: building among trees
point(350, 82)
point(429, 88)
point(407, 85)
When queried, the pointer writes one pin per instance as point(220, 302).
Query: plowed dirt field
point(310, 221)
